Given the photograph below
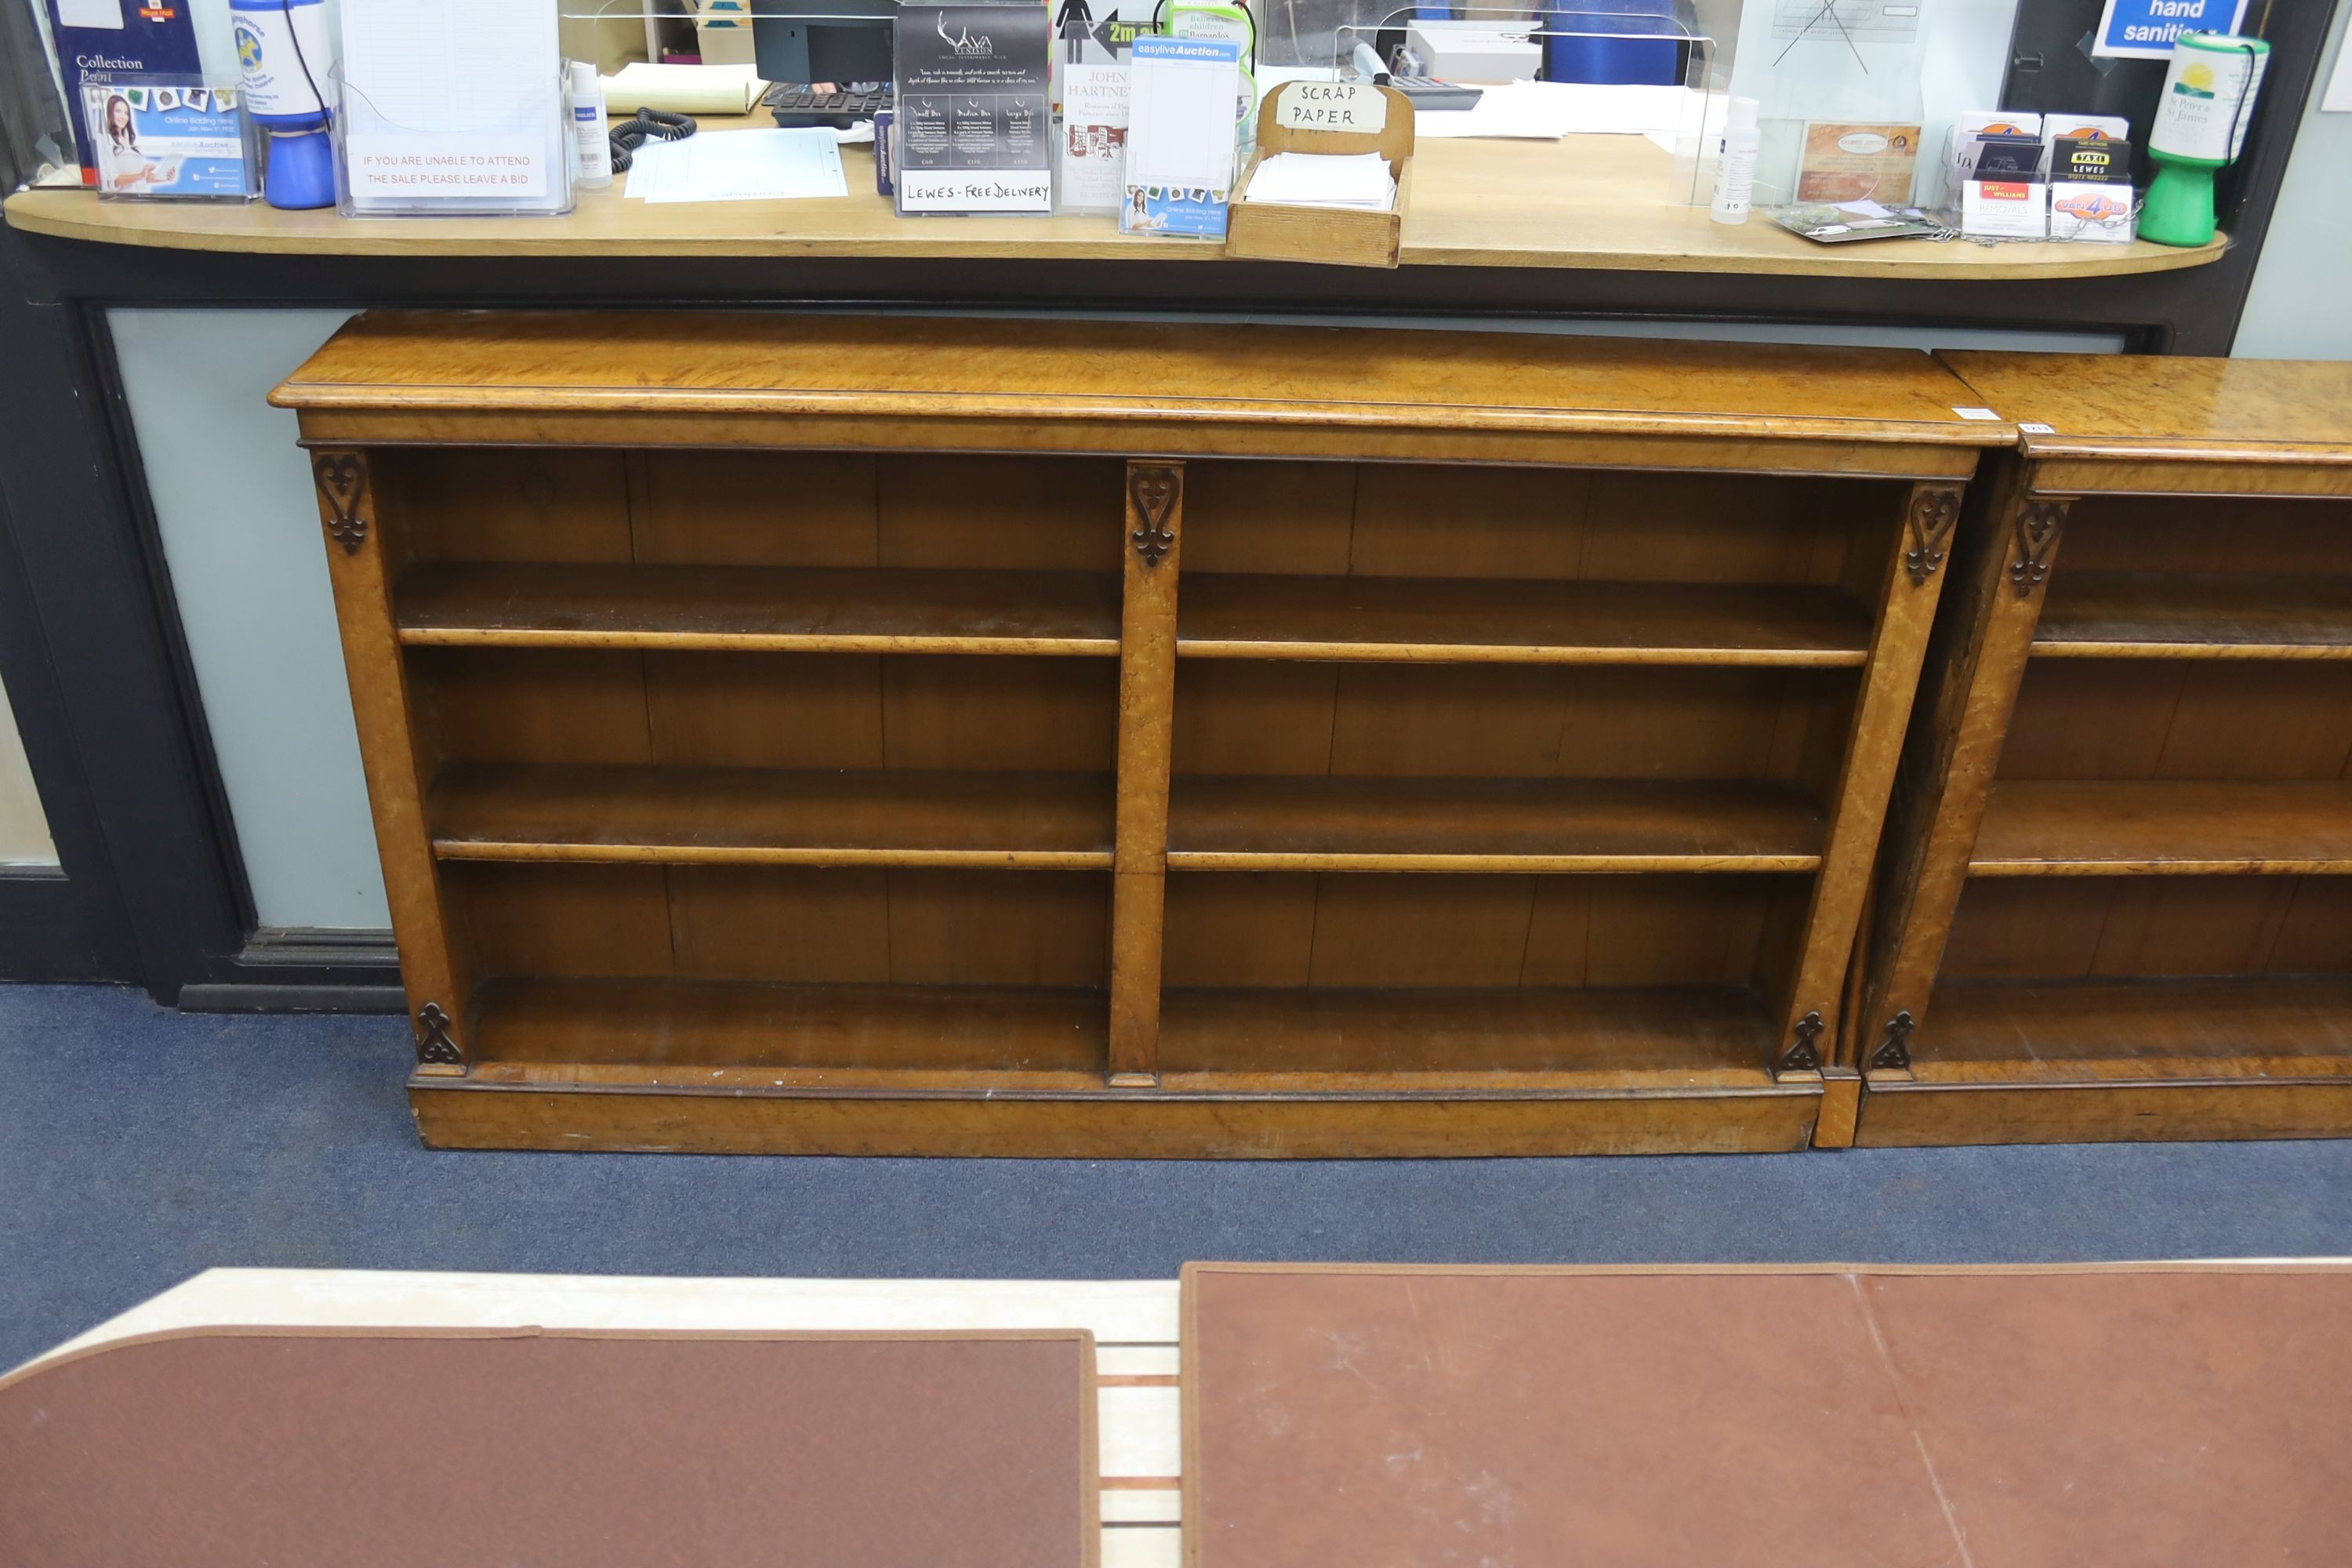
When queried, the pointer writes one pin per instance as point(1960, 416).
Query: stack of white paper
point(739, 166)
point(1358, 181)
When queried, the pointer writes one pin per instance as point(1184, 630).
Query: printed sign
point(1332, 106)
point(1847, 163)
point(430, 164)
point(2144, 29)
point(975, 125)
point(1847, 21)
point(158, 137)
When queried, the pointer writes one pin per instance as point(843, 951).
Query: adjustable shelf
point(2170, 615)
point(2102, 827)
point(1486, 621)
point(771, 816)
point(1341, 824)
point(1127, 740)
point(463, 604)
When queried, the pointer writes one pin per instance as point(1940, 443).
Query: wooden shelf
point(812, 609)
point(1710, 1037)
point(771, 816)
point(2163, 827)
point(1355, 823)
point(1471, 620)
point(2151, 614)
point(2028, 1032)
point(734, 1035)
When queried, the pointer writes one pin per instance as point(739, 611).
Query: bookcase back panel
point(1511, 721)
point(837, 926)
point(765, 710)
point(1349, 930)
point(2176, 718)
point(2228, 535)
point(2094, 928)
point(1416, 521)
point(760, 509)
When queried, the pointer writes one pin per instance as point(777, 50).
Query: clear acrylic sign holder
point(517, 161)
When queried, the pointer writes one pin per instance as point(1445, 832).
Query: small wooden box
point(1267, 232)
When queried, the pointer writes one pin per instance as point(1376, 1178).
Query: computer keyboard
point(793, 105)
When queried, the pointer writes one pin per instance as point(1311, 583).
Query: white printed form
point(1181, 115)
point(451, 98)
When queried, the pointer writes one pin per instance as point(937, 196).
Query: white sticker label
point(976, 190)
point(1976, 413)
point(1332, 106)
point(2039, 429)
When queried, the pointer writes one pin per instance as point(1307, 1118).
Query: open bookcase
point(2119, 901)
point(886, 736)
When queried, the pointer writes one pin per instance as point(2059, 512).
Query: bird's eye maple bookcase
point(834, 734)
point(2117, 889)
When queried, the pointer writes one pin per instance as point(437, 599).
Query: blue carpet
point(138, 1146)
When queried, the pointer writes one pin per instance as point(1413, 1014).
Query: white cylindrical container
point(284, 59)
point(2209, 97)
point(588, 126)
point(1734, 175)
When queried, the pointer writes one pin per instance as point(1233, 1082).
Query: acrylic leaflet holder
point(170, 138)
point(512, 158)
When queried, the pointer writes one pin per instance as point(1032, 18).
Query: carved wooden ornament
point(2038, 523)
point(341, 476)
point(1154, 491)
point(1933, 513)
point(434, 1045)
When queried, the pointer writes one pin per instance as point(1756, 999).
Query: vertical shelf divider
point(1152, 544)
point(1915, 580)
point(1967, 710)
point(362, 563)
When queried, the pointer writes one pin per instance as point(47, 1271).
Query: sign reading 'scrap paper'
point(2144, 29)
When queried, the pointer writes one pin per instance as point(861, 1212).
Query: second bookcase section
point(1555, 778)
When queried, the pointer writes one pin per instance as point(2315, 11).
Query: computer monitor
point(823, 41)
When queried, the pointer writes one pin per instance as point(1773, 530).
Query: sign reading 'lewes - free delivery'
point(2144, 29)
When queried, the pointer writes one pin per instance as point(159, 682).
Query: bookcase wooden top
point(696, 379)
point(1584, 202)
point(2164, 409)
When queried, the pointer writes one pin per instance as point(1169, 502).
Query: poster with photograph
point(1093, 137)
point(161, 138)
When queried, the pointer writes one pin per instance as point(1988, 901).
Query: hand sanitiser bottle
point(588, 125)
point(1734, 175)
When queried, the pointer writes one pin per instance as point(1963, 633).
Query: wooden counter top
point(2096, 405)
point(1588, 202)
point(1301, 387)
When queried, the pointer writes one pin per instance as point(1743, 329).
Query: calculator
point(1428, 92)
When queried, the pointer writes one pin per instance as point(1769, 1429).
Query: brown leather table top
point(1627, 1419)
point(376, 1449)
